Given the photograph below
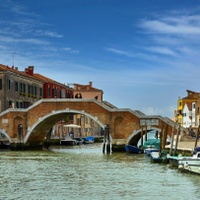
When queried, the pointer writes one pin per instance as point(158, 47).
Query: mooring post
point(142, 143)
point(104, 140)
point(197, 136)
point(20, 137)
point(48, 137)
point(161, 138)
point(145, 133)
point(165, 137)
point(177, 137)
point(172, 141)
point(107, 130)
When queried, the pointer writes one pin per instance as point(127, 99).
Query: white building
point(187, 115)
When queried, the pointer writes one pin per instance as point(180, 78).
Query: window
point(35, 93)
point(41, 92)
point(49, 91)
point(9, 84)
point(16, 86)
point(22, 87)
point(53, 93)
point(29, 89)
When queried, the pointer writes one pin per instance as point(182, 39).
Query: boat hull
point(132, 149)
point(68, 142)
point(148, 151)
point(191, 167)
point(4, 145)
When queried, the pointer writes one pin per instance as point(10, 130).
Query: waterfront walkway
point(186, 144)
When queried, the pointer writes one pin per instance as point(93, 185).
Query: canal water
point(83, 172)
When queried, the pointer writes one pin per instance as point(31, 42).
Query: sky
point(143, 54)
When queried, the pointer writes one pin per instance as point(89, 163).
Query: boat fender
point(186, 166)
point(180, 167)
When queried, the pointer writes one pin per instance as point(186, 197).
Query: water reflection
point(83, 172)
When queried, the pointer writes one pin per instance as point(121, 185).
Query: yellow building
point(191, 97)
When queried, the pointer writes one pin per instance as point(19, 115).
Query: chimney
point(90, 84)
point(29, 70)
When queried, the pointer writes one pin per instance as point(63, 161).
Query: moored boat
point(159, 157)
point(89, 140)
point(155, 143)
point(193, 167)
point(187, 161)
point(4, 144)
point(132, 149)
point(68, 141)
point(181, 160)
point(149, 150)
point(79, 141)
point(151, 145)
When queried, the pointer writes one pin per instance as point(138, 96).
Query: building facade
point(191, 97)
point(20, 89)
point(17, 89)
point(187, 115)
point(87, 91)
point(90, 127)
point(51, 88)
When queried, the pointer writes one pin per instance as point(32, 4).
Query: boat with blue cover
point(132, 149)
point(89, 140)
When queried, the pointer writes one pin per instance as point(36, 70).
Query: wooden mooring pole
point(106, 143)
point(20, 142)
point(47, 141)
point(145, 133)
point(177, 137)
point(161, 138)
point(108, 138)
point(142, 143)
point(165, 136)
point(172, 140)
point(197, 136)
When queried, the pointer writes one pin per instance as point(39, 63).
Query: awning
point(72, 126)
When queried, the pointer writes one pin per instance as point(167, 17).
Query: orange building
point(89, 127)
point(87, 92)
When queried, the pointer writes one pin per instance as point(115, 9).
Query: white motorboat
point(68, 141)
point(190, 163)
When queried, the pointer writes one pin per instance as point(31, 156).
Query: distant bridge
point(125, 125)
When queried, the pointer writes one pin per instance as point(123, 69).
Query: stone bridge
point(126, 126)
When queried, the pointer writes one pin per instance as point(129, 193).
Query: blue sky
point(143, 54)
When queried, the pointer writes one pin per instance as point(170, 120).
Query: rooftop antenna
point(14, 58)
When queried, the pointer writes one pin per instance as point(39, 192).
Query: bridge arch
point(2, 131)
point(136, 135)
point(50, 117)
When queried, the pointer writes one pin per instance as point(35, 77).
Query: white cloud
point(182, 25)
point(70, 50)
point(120, 52)
point(23, 40)
point(162, 50)
point(48, 33)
